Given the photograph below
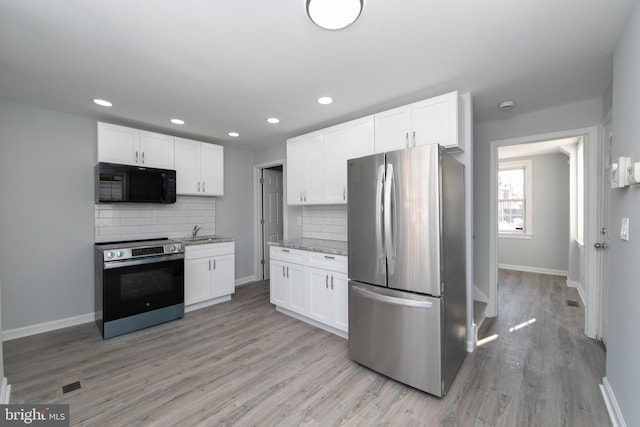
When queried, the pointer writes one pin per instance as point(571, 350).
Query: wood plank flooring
point(243, 363)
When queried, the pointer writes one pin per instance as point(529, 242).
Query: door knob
point(600, 245)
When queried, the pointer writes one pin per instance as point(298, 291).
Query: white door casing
point(273, 225)
point(605, 225)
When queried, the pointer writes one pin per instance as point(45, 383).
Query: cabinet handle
point(329, 257)
point(209, 265)
point(198, 186)
point(203, 190)
point(143, 157)
point(331, 282)
point(406, 139)
point(214, 264)
point(283, 275)
point(326, 281)
point(300, 195)
point(414, 138)
point(285, 250)
point(136, 157)
point(344, 193)
point(287, 271)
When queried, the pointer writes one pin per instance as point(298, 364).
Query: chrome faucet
point(195, 231)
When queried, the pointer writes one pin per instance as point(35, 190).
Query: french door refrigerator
point(407, 293)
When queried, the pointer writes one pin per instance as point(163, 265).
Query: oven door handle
point(142, 261)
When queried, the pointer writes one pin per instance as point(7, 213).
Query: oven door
point(137, 286)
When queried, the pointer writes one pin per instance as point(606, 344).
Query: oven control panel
point(130, 250)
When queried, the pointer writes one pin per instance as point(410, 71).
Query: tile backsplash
point(325, 222)
point(124, 221)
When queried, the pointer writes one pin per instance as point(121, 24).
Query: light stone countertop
point(335, 247)
point(203, 240)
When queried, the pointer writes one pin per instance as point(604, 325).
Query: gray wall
point(234, 211)
point(572, 116)
point(623, 344)
point(549, 246)
point(46, 214)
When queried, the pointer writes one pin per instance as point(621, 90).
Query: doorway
point(269, 197)
point(589, 138)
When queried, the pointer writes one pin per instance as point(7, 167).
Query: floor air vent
point(71, 387)
point(572, 303)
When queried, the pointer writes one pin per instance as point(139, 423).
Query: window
point(515, 198)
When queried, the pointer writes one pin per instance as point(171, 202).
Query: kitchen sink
point(201, 239)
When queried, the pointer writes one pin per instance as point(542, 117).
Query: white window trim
point(527, 165)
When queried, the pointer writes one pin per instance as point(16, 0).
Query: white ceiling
point(229, 64)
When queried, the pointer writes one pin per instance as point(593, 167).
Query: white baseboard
point(538, 270)
point(478, 295)
point(245, 280)
point(471, 343)
point(5, 392)
point(612, 404)
point(12, 334)
point(578, 286)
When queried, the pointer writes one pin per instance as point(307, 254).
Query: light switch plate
point(624, 229)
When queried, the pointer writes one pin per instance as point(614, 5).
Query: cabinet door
point(295, 171)
point(212, 169)
point(340, 297)
point(313, 191)
point(278, 284)
point(334, 174)
point(187, 164)
point(320, 304)
point(298, 289)
point(118, 144)
point(361, 137)
point(156, 150)
point(197, 280)
point(392, 129)
point(224, 275)
point(435, 120)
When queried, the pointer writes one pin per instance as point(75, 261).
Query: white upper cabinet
point(119, 144)
point(432, 121)
point(199, 168)
point(317, 162)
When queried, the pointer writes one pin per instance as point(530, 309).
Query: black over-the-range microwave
point(117, 183)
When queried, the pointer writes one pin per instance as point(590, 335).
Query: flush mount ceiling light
point(102, 102)
point(273, 120)
point(234, 134)
point(334, 14)
point(506, 105)
point(325, 100)
point(177, 121)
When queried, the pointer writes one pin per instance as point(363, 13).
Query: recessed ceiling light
point(273, 120)
point(506, 105)
point(334, 14)
point(325, 100)
point(177, 121)
point(102, 102)
point(234, 134)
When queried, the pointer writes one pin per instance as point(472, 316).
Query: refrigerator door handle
point(379, 209)
point(388, 220)
point(391, 300)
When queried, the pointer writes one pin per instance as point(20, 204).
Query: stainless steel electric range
point(139, 284)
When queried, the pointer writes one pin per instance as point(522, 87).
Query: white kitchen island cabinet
point(311, 286)
point(199, 168)
point(128, 146)
point(209, 274)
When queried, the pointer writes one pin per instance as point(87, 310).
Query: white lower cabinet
point(312, 285)
point(209, 274)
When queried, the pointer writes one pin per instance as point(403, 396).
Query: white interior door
point(272, 223)
point(605, 227)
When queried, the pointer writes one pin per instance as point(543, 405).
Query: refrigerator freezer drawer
point(397, 334)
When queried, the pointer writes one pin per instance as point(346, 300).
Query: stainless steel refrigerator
point(407, 293)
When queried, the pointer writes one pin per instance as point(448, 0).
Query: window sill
point(520, 236)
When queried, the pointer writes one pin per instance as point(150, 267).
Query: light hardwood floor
point(242, 363)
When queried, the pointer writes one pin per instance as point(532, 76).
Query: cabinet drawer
point(337, 263)
point(211, 250)
point(288, 255)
